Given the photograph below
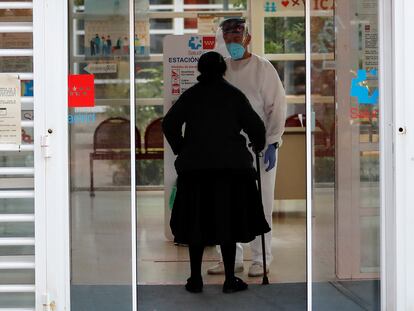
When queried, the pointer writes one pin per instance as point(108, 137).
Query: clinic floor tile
point(101, 242)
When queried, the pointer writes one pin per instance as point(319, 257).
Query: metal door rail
point(17, 262)
point(17, 241)
point(16, 27)
point(16, 5)
point(16, 194)
point(17, 288)
point(16, 52)
point(16, 218)
point(16, 171)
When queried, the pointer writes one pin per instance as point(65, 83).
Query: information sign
point(10, 110)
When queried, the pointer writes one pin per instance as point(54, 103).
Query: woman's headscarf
point(211, 66)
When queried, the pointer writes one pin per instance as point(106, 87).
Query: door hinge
point(45, 144)
point(47, 304)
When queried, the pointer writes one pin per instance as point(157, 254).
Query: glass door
point(187, 29)
point(99, 124)
point(344, 115)
point(327, 183)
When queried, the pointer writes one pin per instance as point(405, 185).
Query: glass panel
point(345, 156)
point(17, 159)
point(369, 180)
point(162, 262)
point(13, 276)
point(289, 37)
point(150, 77)
point(370, 244)
point(17, 300)
point(16, 41)
point(15, 15)
point(292, 74)
point(21, 229)
point(14, 207)
point(99, 136)
point(16, 64)
point(161, 23)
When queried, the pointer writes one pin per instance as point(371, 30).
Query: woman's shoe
point(234, 285)
point(194, 285)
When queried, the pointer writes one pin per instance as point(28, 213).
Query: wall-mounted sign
point(85, 118)
point(363, 90)
point(81, 91)
point(207, 24)
point(368, 17)
point(101, 68)
point(103, 39)
point(108, 39)
point(181, 55)
point(10, 110)
point(293, 5)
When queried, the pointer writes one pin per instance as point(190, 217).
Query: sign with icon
point(181, 55)
point(293, 5)
point(81, 91)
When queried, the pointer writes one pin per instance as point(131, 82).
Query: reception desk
point(291, 168)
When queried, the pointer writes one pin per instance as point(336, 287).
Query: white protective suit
point(259, 81)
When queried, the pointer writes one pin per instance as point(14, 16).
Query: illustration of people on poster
point(104, 40)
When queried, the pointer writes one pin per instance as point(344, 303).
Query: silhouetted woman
point(217, 201)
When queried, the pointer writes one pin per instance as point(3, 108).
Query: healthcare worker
point(258, 80)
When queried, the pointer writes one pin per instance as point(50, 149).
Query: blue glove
point(270, 156)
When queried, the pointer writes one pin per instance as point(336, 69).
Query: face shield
point(233, 33)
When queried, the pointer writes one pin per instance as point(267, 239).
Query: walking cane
point(259, 185)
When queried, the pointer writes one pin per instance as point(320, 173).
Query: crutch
point(265, 280)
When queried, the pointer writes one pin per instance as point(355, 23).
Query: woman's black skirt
point(216, 207)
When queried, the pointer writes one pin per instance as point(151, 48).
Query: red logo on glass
point(209, 43)
point(81, 91)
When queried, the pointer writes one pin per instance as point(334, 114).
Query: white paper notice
point(10, 110)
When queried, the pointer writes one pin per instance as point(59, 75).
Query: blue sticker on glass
point(360, 90)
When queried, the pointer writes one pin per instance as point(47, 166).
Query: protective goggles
point(234, 26)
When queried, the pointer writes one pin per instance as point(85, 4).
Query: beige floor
point(101, 243)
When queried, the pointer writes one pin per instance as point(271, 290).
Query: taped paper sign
point(10, 110)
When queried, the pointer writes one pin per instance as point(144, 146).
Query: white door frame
point(52, 215)
point(50, 44)
point(387, 180)
point(403, 80)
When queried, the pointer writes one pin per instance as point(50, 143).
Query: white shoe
point(219, 268)
point(256, 269)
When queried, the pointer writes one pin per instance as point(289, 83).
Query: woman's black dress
point(217, 200)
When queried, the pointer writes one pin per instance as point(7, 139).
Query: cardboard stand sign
point(181, 55)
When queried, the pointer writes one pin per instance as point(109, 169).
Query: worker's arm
point(252, 124)
point(274, 98)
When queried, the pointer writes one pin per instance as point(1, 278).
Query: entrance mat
point(283, 297)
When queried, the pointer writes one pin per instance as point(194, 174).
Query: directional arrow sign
point(101, 68)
